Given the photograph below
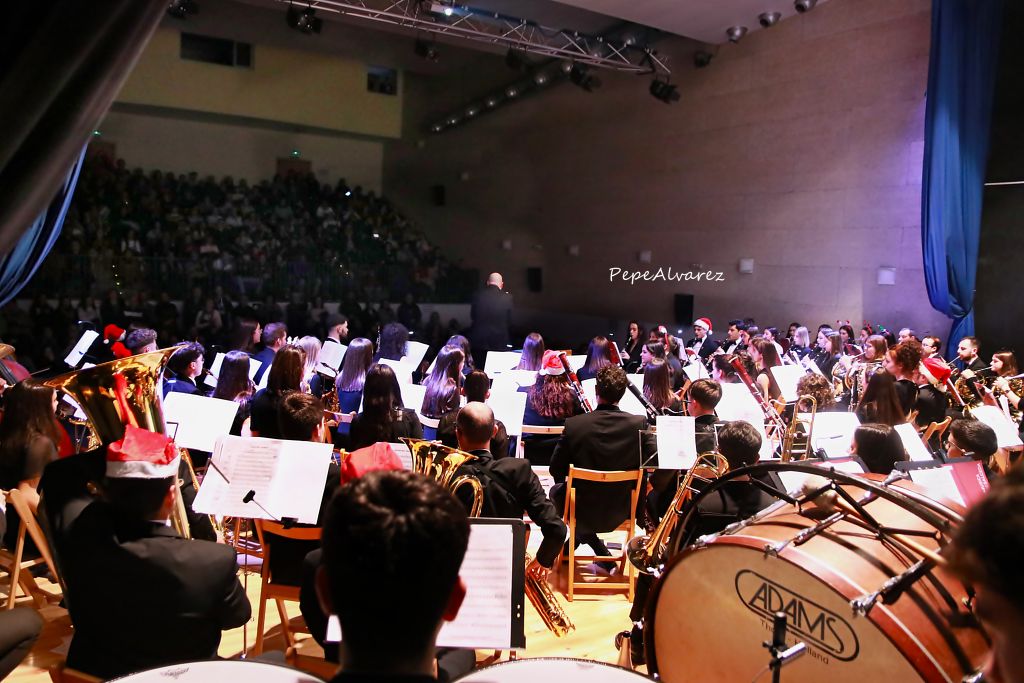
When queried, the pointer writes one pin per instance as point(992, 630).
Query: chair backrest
point(543, 429)
point(31, 525)
point(298, 533)
point(604, 499)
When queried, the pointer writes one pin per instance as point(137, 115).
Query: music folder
point(961, 480)
point(81, 347)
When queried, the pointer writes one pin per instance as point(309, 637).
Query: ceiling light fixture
point(769, 19)
point(736, 33)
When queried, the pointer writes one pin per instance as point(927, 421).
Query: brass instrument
point(796, 444)
point(547, 604)
point(647, 552)
point(857, 379)
point(442, 464)
point(186, 458)
point(5, 372)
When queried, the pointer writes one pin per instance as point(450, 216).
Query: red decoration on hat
point(379, 456)
point(703, 322)
point(551, 364)
point(142, 454)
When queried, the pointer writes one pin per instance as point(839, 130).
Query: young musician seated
point(879, 446)
point(142, 340)
point(702, 345)
point(184, 366)
point(384, 416)
point(548, 403)
point(986, 552)
point(931, 346)
point(393, 545)
point(476, 388)
point(972, 438)
point(967, 357)
point(139, 595)
point(932, 399)
point(902, 361)
point(820, 389)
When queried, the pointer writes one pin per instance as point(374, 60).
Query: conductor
point(491, 315)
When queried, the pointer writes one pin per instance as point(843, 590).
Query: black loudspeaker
point(534, 279)
point(684, 309)
point(437, 192)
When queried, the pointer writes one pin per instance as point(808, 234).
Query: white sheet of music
point(81, 347)
point(79, 414)
point(199, 419)
point(412, 395)
point(300, 479)
point(912, 443)
point(484, 622)
point(811, 365)
point(939, 481)
point(787, 376)
point(501, 361)
point(738, 404)
point(331, 355)
point(508, 407)
point(1006, 431)
point(415, 352)
point(576, 362)
point(403, 370)
point(403, 453)
point(696, 371)
point(677, 448)
point(627, 404)
point(833, 432)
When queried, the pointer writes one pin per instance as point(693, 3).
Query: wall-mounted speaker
point(534, 279)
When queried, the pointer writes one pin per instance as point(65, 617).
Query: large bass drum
point(712, 609)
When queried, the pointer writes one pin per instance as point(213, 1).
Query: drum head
point(222, 670)
point(553, 669)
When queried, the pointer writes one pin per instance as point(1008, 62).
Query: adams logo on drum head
point(820, 627)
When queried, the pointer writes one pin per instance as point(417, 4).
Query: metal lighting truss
point(498, 29)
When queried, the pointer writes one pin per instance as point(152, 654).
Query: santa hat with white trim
point(142, 454)
point(703, 322)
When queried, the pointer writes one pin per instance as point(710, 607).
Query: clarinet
point(652, 412)
point(771, 415)
point(574, 384)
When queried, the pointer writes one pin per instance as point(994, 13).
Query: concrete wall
point(799, 147)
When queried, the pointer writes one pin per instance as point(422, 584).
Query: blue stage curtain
point(961, 79)
point(22, 262)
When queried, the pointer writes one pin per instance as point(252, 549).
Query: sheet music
point(79, 414)
point(1006, 431)
point(200, 419)
point(412, 395)
point(677, 448)
point(403, 370)
point(484, 622)
point(501, 361)
point(81, 347)
point(833, 432)
point(696, 371)
point(811, 365)
point(415, 352)
point(508, 407)
point(403, 453)
point(331, 355)
point(218, 361)
point(916, 450)
point(787, 376)
point(576, 362)
point(939, 481)
point(522, 378)
point(738, 404)
point(300, 479)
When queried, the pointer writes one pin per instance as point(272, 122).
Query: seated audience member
point(142, 340)
point(139, 595)
point(548, 403)
point(184, 366)
point(658, 387)
point(393, 544)
point(973, 439)
point(986, 552)
point(879, 446)
point(285, 376)
point(275, 337)
point(234, 385)
point(384, 416)
point(475, 388)
point(443, 385)
point(598, 356)
point(606, 439)
point(532, 356)
point(510, 485)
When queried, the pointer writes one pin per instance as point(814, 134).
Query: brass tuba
point(547, 604)
point(442, 463)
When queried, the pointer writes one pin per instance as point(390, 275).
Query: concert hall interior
point(414, 340)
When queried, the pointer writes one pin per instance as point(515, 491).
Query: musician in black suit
point(605, 439)
point(967, 356)
point(491, 314)
point(139, 595)
point(184, 366)
point(702, 344)
point(275, 336)
point(734, 337)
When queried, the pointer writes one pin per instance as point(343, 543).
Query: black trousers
point(19, 629)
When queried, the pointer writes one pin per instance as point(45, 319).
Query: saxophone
point(547, 604)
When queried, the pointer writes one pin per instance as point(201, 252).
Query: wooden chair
point(318, 666)
point(936, 429)
point(61, 674)
point(627, 579)
point(278, 592)
point(552, 430)
point(19, 568)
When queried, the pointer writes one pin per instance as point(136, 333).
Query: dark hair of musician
point(656, 349)
point(773, 331)
point(273, 333)
point(973, 341)
point(723, 362)
point(819, 388)
point(234, 383)
point(476, 424)
point(137, 499)
point(879, 344)
point(974, 437)
point(879, 446)
point(611, 384)
point(835, 343)
point(28, 413)
point(936, 342)
point(286, 370)
point(186, 354)
point(463, 343)
point(1009, 362)
point(551, 396)
point(740, 443)
point(356, 363)
point(769, 359)
point(382, 399)
point(881, 403)
point(442, 386)
point(986, 546)
point(907, 356)
point(738, 324)
point(658, 384)
point(598, 354)
point(639, 331)
point(533, 352)
point(476, 386)
point(393, 340)
point(706, 392)
point(136, 339)
point(849, 332)
point(393, 543)
point(298, 416)
point(241, 336)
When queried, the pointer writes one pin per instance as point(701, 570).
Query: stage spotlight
point(769, 19)
point(304, 20)
point(440, 10)
point(802, 6)
point(472, 111)
point(581, 76)
point(540, 78)
point(701, 58)
point(180, 9)
point(426, 50)
point(566, 67)
point(736, 33)
point(452, 120)
point(491, 102)
point(664, 91)
point(511, 92)
point(437, 128)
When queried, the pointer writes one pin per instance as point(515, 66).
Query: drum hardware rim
point(548, 659)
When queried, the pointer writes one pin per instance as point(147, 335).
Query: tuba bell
point(442, 464)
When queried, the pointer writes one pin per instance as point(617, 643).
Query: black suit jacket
point(491, 313)
point(709, 346)
point(265, 357)
point(145, 597)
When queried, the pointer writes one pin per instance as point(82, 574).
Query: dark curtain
point(961, 80)
point(22, 262)
point(62, 62)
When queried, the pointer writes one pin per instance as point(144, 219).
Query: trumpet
point(442, 464)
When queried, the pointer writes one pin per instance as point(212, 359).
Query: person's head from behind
point(611, 384)
point(394, 338)
point(393, 543)
point(142, 340)
point(234, 376)
point(300, 417)
point(357, 361)
point(275, 335)
point(740, 443)
point(533, 352)
point(496, 280)
point(381, 392)
point(971, 438)
point(705, 394)
point(818, 388)
point(477, 386)
point(879, 446)
point(286, 370)
point(141, 481)
point(474, 427)
point(986, 552)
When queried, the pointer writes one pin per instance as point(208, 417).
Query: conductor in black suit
point(491, 315)
point(606, 440)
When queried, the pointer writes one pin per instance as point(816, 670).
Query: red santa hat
point(142, 454)
point(551, 364)
point(120, 350)
point(935, 371)
point(379, 456)
point(112, 333)
point(704, 323)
